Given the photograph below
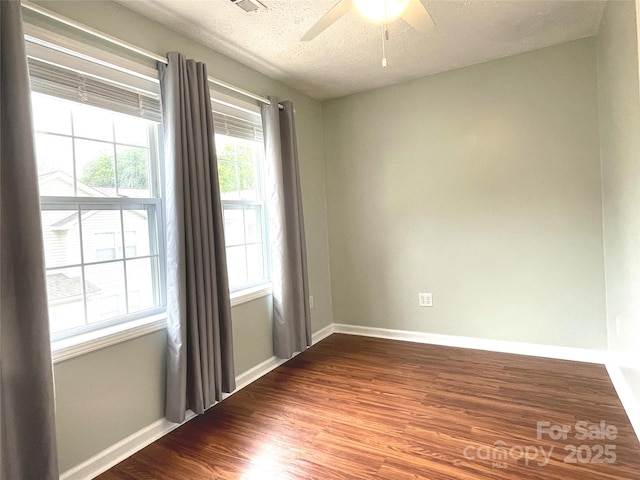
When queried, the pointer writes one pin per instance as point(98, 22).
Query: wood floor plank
point(365, 408)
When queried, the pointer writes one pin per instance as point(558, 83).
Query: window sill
point(81, 344)
point(249, 294)
point(89, 342)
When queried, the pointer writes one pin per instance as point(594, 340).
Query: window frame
point(51, 44)
point(229, 106)
point(118, 203)
point(240, 205)
point(49, 203)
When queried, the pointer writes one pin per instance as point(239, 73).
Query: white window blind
point(236, 127)
point(65, 83)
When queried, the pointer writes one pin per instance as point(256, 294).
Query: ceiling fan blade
point(337, 11)
point(418, 16)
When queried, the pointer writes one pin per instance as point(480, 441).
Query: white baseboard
point(322, 334)
point(502, 346)
point(628, 399)
point(116, 453)
point(255, 373)
point(109, 457)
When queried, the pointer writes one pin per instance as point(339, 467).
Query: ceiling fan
point(380, 11)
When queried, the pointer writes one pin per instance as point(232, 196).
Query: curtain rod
point(131, 47)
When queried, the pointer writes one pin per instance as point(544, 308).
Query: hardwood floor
point(365, 408)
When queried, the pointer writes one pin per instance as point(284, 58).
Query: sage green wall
point(619, 92)
point(480, 185)
point(256, 336)
point(105, 396)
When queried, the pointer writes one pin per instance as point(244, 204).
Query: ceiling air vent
point(249, 5)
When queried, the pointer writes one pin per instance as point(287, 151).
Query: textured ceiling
point(346, 58)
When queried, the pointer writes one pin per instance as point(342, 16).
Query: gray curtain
point(200, 344)
point(27, 426)
point(291, 313)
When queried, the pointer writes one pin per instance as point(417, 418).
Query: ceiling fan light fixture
point(381, 10)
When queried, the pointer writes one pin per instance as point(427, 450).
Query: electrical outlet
point(425, 299)
point(310, 301)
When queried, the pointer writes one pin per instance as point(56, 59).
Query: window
point(240, 151)
point(99, 164)
point(98, 174)
point(105, 243)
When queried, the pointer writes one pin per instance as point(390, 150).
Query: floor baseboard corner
point(322, 334)
point(630, 402)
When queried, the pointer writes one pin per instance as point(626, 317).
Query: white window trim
point(249, 294)
point(78, 345)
